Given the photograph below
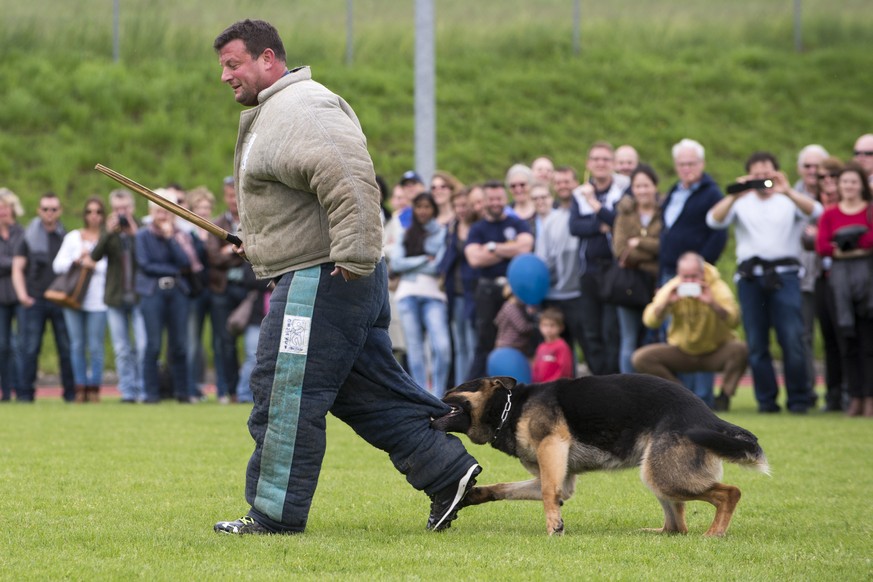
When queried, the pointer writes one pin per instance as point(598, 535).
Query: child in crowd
point(553, 358)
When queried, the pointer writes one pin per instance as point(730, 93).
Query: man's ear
point(270, 59)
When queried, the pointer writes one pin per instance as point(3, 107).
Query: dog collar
point(504, 415)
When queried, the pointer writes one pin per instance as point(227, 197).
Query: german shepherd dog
point(561, 429)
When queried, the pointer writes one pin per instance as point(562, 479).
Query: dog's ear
point(507, 382)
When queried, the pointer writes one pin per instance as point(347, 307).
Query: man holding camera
point(123, 312)
point(700, 338)
point(770, 217)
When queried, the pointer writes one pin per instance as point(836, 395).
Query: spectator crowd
point(632, 283)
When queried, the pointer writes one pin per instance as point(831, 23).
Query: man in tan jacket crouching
point(700, 337)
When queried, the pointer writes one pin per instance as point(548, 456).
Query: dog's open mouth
point(446, 421)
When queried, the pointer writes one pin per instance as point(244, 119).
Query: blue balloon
point(529, 278)
point(509, 362)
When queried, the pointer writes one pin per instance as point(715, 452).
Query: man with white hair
point(864, 154)
point(685, 229)
point(808, 161)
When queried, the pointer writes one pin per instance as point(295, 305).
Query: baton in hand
point(171, 206)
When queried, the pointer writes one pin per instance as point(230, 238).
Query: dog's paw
point(558, 529)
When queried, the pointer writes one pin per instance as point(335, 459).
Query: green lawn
point(113, 492)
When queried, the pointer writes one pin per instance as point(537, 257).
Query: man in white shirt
point(768, 224)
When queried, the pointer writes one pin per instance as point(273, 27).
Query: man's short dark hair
point(257, 35)
point(491, 184)
point(758, 157)
point(570, 169)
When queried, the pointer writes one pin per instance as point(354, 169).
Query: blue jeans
point(10, 373)
point(420, 315)
point(87, 331)
point(250, 342)
point(198, 307)
point(781, 310)
point(226, 358)
point(35, 318)
point(464, 337)
point(334, 355)
point(127, 330)
point(700, 383)
point(165, 309)
point(630, 322)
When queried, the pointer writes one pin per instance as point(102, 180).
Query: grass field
point(113, 492)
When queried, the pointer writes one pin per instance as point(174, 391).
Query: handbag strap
point(80, 282)
point(622, 258)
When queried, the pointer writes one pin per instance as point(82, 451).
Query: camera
point(123, 222)
point(688, 289)
point(738, 187)
point(848, 237)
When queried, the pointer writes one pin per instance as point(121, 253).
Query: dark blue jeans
point(35, 318)
point(10, 373)
point(779, 309)
point(323, 348)
point(602, 335)
point(226, 355)
point(700, 383)
point(167, 310)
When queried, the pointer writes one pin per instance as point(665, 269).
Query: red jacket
point(553, 360)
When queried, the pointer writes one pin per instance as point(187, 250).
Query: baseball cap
point(411, 176)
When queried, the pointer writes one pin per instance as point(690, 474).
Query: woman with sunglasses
point(845, 232)
point(443, 186)
point(86, 326)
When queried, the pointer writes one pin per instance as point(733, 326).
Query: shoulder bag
point(69, 289)
point(625, 286)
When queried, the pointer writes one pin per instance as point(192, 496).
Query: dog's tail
point(739, 446)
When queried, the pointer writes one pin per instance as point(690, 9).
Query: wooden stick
point(171, 206)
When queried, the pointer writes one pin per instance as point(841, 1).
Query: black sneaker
point(722, 402)
point(244, 525)
point(444, 505)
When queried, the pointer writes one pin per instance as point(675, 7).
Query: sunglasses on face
point(864, 153)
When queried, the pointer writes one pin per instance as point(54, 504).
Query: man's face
point(864, 153)
point(689, 167)
point(495, 203)
point(807, 167)
point(121, 207)
point(543, 170)
point(626, 160)
point(689, 271)
point(600, 163)
point(412, 188)
point(230, 198)
point(565, 183)
point(244, 74)
point(49, 211)
point(762, 170)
